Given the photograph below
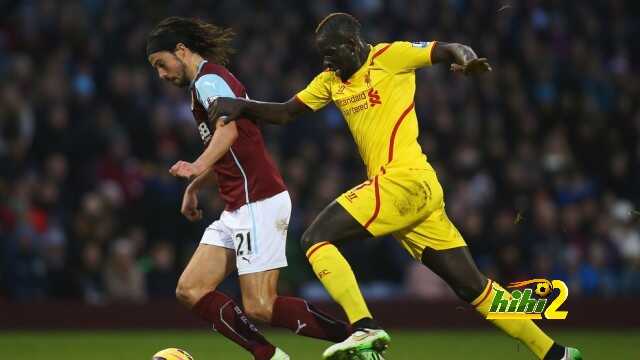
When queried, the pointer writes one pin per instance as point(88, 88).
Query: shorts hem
point(262, 268)
point(448, 246)
point(219, 245)
point(352, 212)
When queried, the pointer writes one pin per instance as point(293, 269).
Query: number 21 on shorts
point(243, 243)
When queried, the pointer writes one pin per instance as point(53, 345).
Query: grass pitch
point(203, 345)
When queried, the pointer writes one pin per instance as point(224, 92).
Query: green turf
point(435, 345)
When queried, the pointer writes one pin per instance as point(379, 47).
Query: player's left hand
point(226, 108)
point(184, 169)
point(475, 66)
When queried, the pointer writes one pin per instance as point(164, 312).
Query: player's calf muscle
point(457, 268)
point(259, 309)
point(469, 290)
point(259, 293)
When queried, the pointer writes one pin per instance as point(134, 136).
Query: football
point(172, 354)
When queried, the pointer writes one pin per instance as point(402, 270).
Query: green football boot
point(571, 354)
point(361, 339)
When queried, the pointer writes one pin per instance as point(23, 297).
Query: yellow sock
point(524, 330)
point(336, 275)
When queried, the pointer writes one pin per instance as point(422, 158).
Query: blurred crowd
point(539, 159)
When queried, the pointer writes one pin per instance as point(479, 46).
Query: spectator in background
point(59, 275)
point(625, 235)
point(422, 283)
point(25, 269)
point(161, 277)
point(124, 281)
point(91, 281)
point(624, 231)
point(630, 282)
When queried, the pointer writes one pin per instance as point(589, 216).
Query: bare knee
point(259, 309)
point(189, 293)
point(311, 237)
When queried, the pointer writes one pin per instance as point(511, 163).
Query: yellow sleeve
point(318, 93)
point(404, 55)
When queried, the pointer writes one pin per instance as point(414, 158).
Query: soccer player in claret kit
point(251, 232)
point(374, 86)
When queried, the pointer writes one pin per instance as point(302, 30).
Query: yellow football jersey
point(378, 104)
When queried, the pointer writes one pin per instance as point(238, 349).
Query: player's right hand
point(473, 67)
point(190, 206)
point(230, 108)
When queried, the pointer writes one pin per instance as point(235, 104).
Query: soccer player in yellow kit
point(374, 86)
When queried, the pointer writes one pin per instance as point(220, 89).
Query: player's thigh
point(259, 290)
point(334, 224)
point(208, 267)
point(393, 200)
point(436, 232)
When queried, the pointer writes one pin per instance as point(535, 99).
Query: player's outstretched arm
point(461, 57)
point(273, 113)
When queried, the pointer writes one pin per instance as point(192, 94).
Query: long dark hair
point(210, 41)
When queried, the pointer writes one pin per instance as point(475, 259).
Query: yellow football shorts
point(407, 203)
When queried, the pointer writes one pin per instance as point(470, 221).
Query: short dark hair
point(339, 22)
point(209, 41)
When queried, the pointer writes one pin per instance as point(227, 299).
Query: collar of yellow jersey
point(364, 66)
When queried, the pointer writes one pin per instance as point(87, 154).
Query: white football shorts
point(257, 232)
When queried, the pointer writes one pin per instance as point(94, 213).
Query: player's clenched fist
point(184, 169)
point(189, 206)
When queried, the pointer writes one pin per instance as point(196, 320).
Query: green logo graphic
point(522, 304)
